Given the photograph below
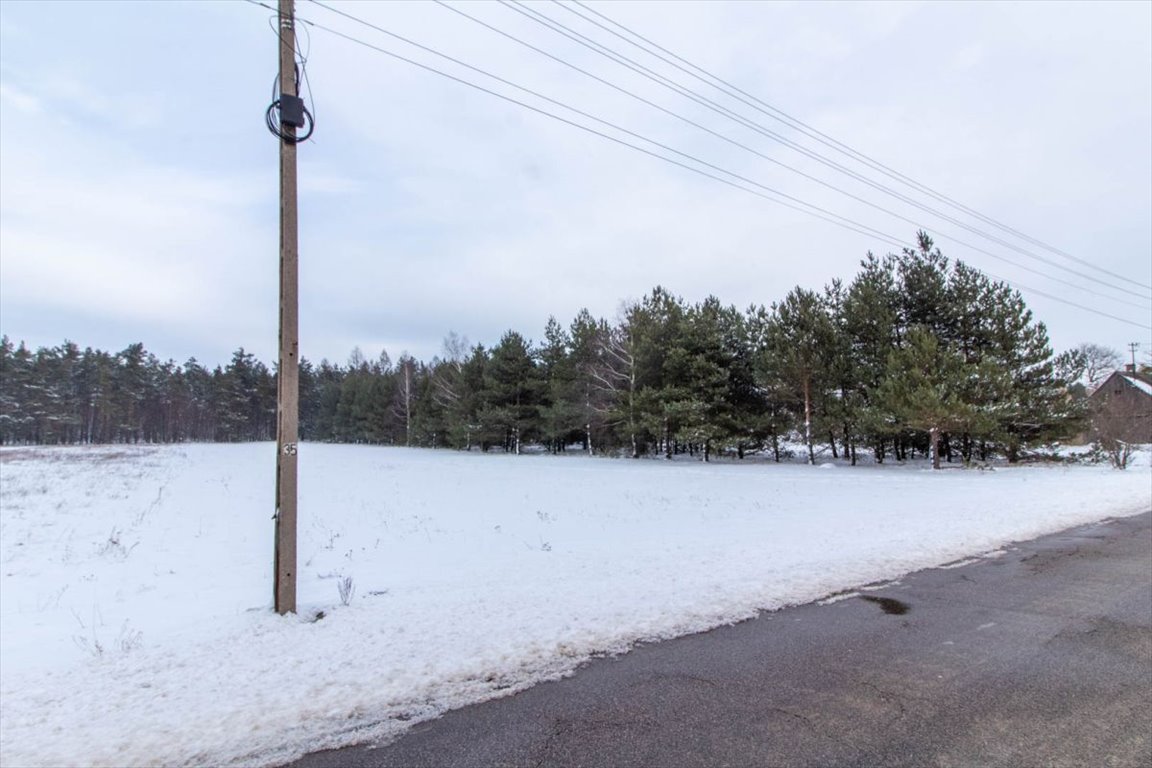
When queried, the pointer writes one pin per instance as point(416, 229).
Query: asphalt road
point(1042, 656)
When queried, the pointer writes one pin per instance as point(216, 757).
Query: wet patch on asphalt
point(888, 604)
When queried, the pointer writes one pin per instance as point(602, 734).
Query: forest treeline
point(914, 351)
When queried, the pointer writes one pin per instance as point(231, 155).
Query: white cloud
point(18, 99)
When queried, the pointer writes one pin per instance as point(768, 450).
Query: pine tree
point(773, 394)
point(200, 409)
point(593, 400)
point(866, 319)
point(923, 389)
point(459, 385)
point(429, 425)
point(246, 399)
point(511, 394)
point(662, 400)
point(99, 375)
point(700, 362)
point(922, 279)
point(1032, 407)
point(129, 388)
point(841, 408)
point(559, 409)
point(743, 407)
point(801, 336)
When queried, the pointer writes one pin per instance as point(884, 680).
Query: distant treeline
point(914, 350)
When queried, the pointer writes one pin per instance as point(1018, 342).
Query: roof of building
point(1141, 382)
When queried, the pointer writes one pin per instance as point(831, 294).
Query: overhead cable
point(774, 197)
point(769, 193)
point(694, 96)
point(779, 115)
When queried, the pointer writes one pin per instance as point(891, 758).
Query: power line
point(1038, 292)
point(790, 168)
point(773, 195)
point(779, 115)
point(841, 221)
point(634, 66)
point(852, 225)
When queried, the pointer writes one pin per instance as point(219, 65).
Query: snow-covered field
point(135, 583)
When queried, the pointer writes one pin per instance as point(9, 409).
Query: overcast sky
point(139, 187)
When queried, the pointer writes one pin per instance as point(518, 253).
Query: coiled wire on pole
point(274, 124)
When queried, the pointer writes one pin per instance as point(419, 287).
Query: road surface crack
point(888, 697)
point(822, 732)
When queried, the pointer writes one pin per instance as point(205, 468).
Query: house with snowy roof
point(1122, 406)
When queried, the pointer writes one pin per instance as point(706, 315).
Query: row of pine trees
point(916, 354)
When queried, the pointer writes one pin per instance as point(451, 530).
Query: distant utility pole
point(288, 378)
point(1132, 347)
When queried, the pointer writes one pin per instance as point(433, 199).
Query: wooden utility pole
point(1132, 347)
point(288, 381)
